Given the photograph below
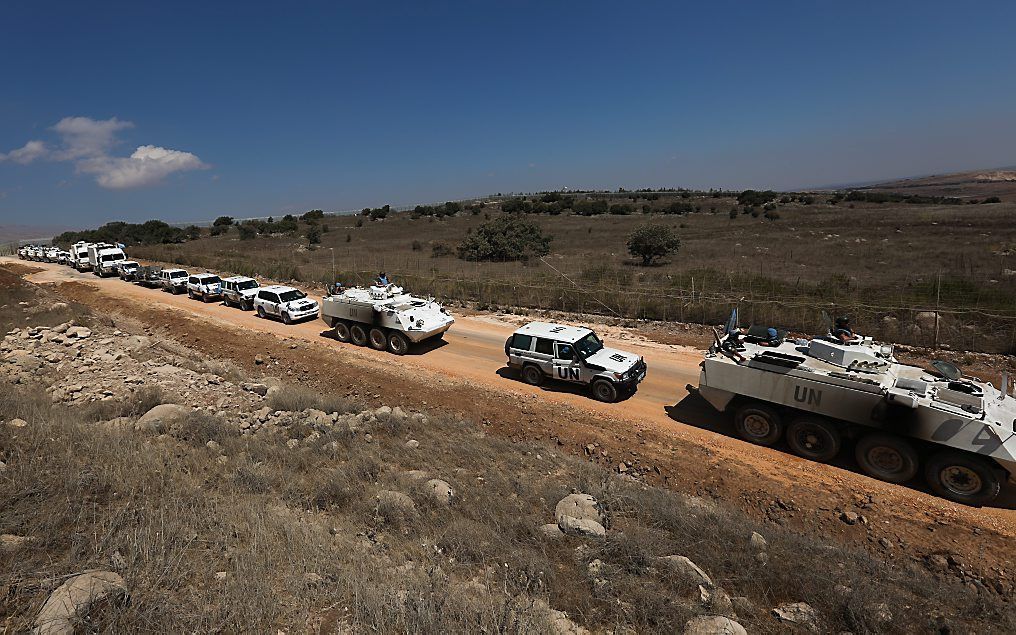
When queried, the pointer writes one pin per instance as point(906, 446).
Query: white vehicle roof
point(206, 274)
point(173, 270)
point(559, 332)
point(238, 279)
point(277, 288)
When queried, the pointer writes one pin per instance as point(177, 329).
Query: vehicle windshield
point(588, 345)
point(112, 257)
point(178, 274)
point(210, 280)
point(289, 296)
point(249, 284)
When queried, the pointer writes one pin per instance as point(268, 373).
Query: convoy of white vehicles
point(812, 394)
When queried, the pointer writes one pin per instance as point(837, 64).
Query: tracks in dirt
point(662, 428)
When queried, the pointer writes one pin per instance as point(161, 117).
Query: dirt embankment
point(663, 435)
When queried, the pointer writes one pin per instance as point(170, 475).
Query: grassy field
point(881, 263)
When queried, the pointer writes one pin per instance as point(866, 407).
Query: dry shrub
point(295, 398)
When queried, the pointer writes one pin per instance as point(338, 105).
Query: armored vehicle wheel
point(397, 343)
point(358, 335)
point(286, 319)
point(378, 339)
point(342, 331)
point(962, 478)
point(814, 438)
point(261, 312)
point(532, 375)
point(758, 424)
point(887, 458)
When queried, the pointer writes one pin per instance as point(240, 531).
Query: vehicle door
point(543, 354)
point(272, 304)
point(567, 366)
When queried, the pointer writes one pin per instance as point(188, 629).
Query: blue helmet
point(772, 333)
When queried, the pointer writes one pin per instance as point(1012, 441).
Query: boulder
point(557, 622)
point(412, 444)
point(398, 500)
point(758, 542)
point(799, 613)
point(440, 491)
point(17, 423)
point(74, 598)
point(581, 527)
point(926, 320)
point(579, 507)
point(163, 417)
point(688, 570)
point(551, 530)
point(79, 332)
point(716, 601)
point(713, 625)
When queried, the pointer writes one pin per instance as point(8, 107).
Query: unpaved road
point(673, 437)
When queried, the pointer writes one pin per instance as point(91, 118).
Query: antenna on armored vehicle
point(827, 322)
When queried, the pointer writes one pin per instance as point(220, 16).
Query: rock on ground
point(579, 514)
point(440, 491)
point(799, 613)
point(74, 598)
point(690, 571)
point(162, 417)
point(713, 625)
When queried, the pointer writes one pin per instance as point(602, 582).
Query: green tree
point(193, 232)
point(314, 236)
point(506, 237)
point(223, 221)
point(247, 232)
point(652, 241)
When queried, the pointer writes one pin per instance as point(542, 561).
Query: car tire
point(887, 458)
point(962, 478)
point(814, 438)
point(759, 424)
point(261, 312)
point(532, 374)
point(286, 319)
point(605, 391)
point(204, 298)
point(341, 330)
point(397, 343)
point(378, 339)
point(358, 335)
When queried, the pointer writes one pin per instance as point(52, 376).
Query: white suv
point(575, 354)
point(204, 286)
point(287, 303)
point(239, 291)
point(173, 280)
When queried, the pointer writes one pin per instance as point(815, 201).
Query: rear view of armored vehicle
point(904, 420)
point(384, 317)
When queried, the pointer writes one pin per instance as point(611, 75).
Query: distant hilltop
point(1000, 182)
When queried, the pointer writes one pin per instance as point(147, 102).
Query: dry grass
point(297, 398)
point(171, 515)
point(870, 260)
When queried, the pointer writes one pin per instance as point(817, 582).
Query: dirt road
point(661, 432)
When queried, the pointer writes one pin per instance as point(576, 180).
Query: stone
point(11, 542)
point(938, 562)
point(713, 625)
point(319, 418)
point(312, 579)
point(213, 446)
point(440, 491)
point(258, 360)
point(925, 320)
point(551, 530)
point(383, 411)
point(163, 417)
point(757, 542)
point(397, 499)
point(850, 518)
point(72, 600)
point(17, 423)
point(79, 332)
point(742, 606)
point(412, 444)
point(716, 601)
point(799, 613)
point(578, 506)
point(687, 569)
point(221, 576)
point(581, 527)
point(257, 389)
point(557, 622)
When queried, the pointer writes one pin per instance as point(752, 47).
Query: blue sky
point(188, 110)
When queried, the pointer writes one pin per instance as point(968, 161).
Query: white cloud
point(85, 137)
point(147, 166)
point(88, 143)
point(29, 152)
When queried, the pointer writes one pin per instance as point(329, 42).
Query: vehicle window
point(193, 280)
point(263, 295)
point(295, 294)
point(249, 284)
point(212, 279)
point(565, 351)
point(588, 345)
point(522, 342)
point(178, 274)
point(544, 346)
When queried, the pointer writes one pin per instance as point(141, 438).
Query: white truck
point(173, 280)
point(79, 256)
point(384, 317)
point(240, 291)
point(286, 303)
point(204, 286)
point(541, 351)
point(104, 259)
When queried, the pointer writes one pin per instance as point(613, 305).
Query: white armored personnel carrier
point(817, 393)
point(385, 317)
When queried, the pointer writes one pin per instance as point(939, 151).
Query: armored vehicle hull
point(818, 393)
point(384, 317)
